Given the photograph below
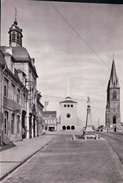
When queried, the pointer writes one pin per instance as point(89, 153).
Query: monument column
point(88, 126)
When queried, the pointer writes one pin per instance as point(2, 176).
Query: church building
point(68, 113)
point(113, 120)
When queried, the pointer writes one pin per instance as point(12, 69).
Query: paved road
point(67, 161)
point(116, 141)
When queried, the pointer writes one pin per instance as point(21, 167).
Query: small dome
point(20, 54)
point(68, 98)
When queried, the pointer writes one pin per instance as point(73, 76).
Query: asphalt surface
point(67, 161)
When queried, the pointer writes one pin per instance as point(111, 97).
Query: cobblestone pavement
point(115, 139)
point(14, 157)
point(67, 161)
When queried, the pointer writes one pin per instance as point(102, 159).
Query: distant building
point(50, 120)
point(113, 120)
point(19, 78)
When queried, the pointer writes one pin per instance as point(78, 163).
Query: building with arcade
point(20, 109)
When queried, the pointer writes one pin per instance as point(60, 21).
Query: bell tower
point(113, 100)
point(15, 34)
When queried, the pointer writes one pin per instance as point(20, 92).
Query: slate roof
point(20, 71)
point(2, 60)
point(68, 101)
point(19, 53)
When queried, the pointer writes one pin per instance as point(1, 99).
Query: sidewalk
point(12, 158)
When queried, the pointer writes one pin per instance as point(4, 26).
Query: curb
point(23, 161)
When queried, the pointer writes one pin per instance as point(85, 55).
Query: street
point(65, 161)
point(116, 142)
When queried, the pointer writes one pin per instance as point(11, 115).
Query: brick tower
point(113, 100)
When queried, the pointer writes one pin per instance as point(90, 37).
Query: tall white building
point(68, 113)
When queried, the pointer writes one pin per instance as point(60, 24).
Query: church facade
point(112, 117)
point(68, 114)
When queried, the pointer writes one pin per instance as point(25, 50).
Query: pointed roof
point(113, 81)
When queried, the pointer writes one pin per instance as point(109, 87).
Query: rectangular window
point(12, 124)
point(5, 87)
point(18, 95)
point(13, 92)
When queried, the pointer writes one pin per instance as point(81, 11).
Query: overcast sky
point(74, 38)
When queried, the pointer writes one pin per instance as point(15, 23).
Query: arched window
point(114, 120)
point(72, 127)
point(63, 127)
point(68, 127)
point(114, 95)
point(5, 122)
point(12, 123)
point(18, 124)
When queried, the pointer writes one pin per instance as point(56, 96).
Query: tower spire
point(113, 101)
point(113, 76)
point(15, 22)
point(68, 92)
point(68, 86)
point(16, 14)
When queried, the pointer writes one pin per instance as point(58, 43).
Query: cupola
point(15, 34)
